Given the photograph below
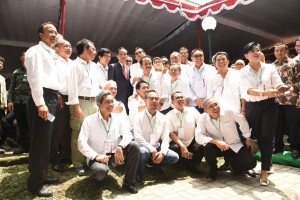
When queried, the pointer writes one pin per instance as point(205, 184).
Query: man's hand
point(283, 88)
point(271, 93)
point(102, 158)
point(78, 112)
point(10, 106)
point(243, 112)
point(159, 158)
point(222, 145)
point(184, 152)
point(61, 102)
point(249, 144)
point(119, 158)
point(43, 111)
point(198, 102)
point(118, 108)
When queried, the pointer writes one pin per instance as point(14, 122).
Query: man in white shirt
point(105, 140)
point(297, 48)
point(174, 82)
point(103, 56)
point(199, 76)
point(43, 78)
point(61, 136)
point(152, 133)
point(217, 132)
point(135, 69)
point(83, 88)
point(136, 102)
point(182, 123)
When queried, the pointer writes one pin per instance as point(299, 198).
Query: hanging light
point(209, 23)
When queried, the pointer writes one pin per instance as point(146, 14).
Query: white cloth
point(122, 115)
point(185, 68)
point(266, 78)
point(103, 73)
point(42, 71)
point(92, 137)
point(207, 129)
point(133, 105)
point(83, 80)
point(149, 138)
point(188, 119)
point(227, 91)
point(169, 88)
point(135, 71)
point(198, 79)
point(64, 68)
point(296, 58)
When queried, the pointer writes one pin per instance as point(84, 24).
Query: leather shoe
point(44, 192)
point(58, 167)
point(277, 150)
point(130, 187)
point(51, 180)
point(251, 173)
point(295, 154)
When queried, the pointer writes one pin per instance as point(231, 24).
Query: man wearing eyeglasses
point(199, 76)
point(135, 69)
point(103, 56)
point(129, 61)
point(182, 123)
point(152, 133)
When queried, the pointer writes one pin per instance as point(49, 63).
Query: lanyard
point(258, 74)
point(222, 85)
point(180, 119)
point(149, 79)
point(173, 88)
point(87, 69)
point(107, 129)
point(215, 125)
point(200, 73)
point(104, 72)
point(152, 127)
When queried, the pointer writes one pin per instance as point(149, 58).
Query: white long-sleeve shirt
point(93, 135)
point(64, 68)
point(186, 120)
point(266, 78)
point(148, 137)
point(223, 129)
point(42, 71)
point(227, 91)
point(83, 80)
point(102, 72)
point(198, 79)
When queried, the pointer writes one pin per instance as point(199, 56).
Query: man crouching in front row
point(217, 132)
point(104, 140)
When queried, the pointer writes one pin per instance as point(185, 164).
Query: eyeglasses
point(154, 98)
point(179, 98)
point(128, 60)
point(138, 52)
point(198, 55)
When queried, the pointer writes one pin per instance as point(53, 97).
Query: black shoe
point(277, 150)
point(250, 173)
point(51, 180)
point(58, 167)
point(211, 178)
point(295, 154)
point(21, 151)
point(195, 170)
point(225, 166)
point(44, 192)
point(130, 187)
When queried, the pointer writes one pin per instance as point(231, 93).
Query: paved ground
point(284, 182)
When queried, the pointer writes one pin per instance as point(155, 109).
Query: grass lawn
point(13, 182)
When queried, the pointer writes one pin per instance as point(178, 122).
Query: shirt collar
point(47, 48)
point(82, 61)
point(101, 117)
point(103, 67)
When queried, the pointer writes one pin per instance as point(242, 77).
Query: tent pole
point(63, 12)
point(199, 34)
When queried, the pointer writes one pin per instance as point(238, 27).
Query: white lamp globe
point(209, 23)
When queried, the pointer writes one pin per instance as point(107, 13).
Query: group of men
point(165, 107)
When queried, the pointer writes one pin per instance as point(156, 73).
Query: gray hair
point(205, 101)
point(102, 95)
point(106, 83)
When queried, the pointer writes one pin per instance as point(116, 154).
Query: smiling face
point(49, 35)
point(122, 55)
point(198, 58)
point(222, 62)
point(143, 90)
point(212, 108)
point(254, 54)
point(152, 101)
point(146, 65)
point(297, 47)
point(178, 101)
point(112, 87)
point(64, 49)
point(107, 104)
point(280, 52)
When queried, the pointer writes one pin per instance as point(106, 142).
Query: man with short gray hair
point(105, 140)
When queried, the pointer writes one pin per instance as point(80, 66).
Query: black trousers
point(195, 148)
point(262, 118)
point(40, 132)
point(132, 157)
point(61, 136)
point(239, 162)
point(288, 115)
point(20, 110)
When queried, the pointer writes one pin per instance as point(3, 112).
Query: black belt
point(47, 90)
point(87, 98)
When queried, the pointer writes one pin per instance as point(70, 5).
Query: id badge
point(108, 146)
point(181, 133)
point(89, 83)
point(152, 139)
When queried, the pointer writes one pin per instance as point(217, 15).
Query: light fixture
point(209, 24)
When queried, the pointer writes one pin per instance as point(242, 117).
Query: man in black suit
point(119, 72)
